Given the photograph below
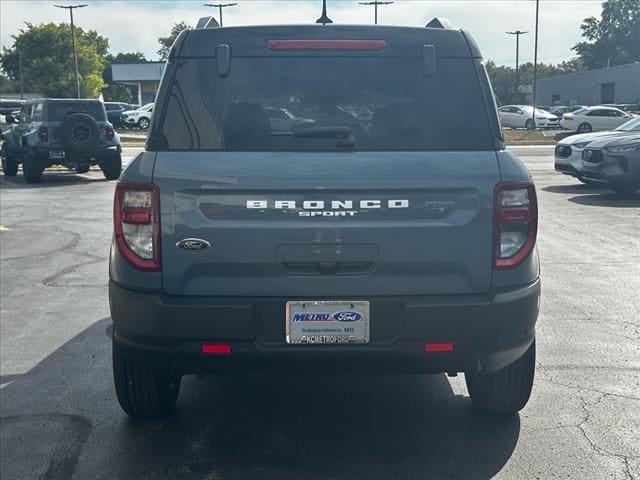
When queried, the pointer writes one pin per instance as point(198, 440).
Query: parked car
point(560, 110)
point(407, 247)
point(594, 119)
point(521, 116)
point(115, 111)
point(614, 161)
point(73, 133)
point(9, 107)
point(140, 118)
point(568, 152)
point(632, 108)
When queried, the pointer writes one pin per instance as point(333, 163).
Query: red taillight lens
point(110, 132)
point(43, 133)
point(515, 223)
point(136, 217)
point(315, 44)
point(438, 347)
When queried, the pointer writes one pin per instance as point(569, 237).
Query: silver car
point(615, 162)
point(568, 153)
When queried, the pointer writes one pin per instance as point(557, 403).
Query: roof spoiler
point(440, 22)
point(207, 22)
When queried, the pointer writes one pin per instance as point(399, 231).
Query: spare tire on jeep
point(79, 132)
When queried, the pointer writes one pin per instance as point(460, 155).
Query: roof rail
point(207, 22)
point(440, 23)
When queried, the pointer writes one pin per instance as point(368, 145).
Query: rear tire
point(585, 128)
point(143, 123)
point(506, 391)
point(142, 392)
point(83, 168)
point(111, 167)
point(9, 163)
point(32, 168)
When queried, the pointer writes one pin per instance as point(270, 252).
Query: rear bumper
point(99, 153)
point(488, 333)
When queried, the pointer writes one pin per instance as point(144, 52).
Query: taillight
point(110, 132)
point(43, 133)
point(515, 223)
point(136, 217)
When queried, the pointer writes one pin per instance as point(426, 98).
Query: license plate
point(327, 322)
point(56, 154)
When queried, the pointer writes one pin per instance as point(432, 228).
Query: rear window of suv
point(336, 103)
point(58, 111)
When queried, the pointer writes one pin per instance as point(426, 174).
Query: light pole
point(20, 72)
point(375, 4)
point(220, 6)
point(324, 19)
point(517, 33)
point(73, 42)
point(535, 64)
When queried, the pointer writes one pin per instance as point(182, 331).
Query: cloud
point(135, 25)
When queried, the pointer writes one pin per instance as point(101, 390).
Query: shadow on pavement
point(60, 420)
point(629, 200)
point(55, 178)
point(575, 188)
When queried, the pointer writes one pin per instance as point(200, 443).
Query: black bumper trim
point(488, 331)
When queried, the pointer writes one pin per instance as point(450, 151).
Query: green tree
point(115, 91)
point(167, 42)
point(614, 39)
point(47, 60)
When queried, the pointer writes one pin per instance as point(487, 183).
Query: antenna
point(324, 19)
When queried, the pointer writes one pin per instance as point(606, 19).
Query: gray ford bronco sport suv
point(73, 133)
point(388, 231)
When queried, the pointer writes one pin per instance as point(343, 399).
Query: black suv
point(73, 133)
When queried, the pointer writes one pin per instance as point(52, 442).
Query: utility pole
point(220, 6)
point(73, 42)
point(517, 33)
point(375, 4)
point(324, 19)
point(535, 64)
point(20, 73)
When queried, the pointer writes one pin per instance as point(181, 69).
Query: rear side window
point(325, 103)
point(58, 111)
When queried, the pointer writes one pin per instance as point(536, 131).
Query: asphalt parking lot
point(60, 420)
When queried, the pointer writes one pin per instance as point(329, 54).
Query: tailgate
point(327, 224)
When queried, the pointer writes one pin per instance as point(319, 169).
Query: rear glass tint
point(58, 111)
point(325, 103)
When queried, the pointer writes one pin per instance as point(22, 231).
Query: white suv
point(140, 118)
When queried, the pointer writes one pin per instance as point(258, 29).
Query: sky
point(135, 25)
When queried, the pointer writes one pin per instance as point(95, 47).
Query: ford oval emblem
point(193, 244)
point(347, 316)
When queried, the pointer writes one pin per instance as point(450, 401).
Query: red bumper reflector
point(368, 45)
point(438, 347)
point(215, 348)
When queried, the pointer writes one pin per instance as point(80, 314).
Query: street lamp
point(73, 42)
point(220, 6)
point(324, 19)
point(535, 64)
point(375, 4)
point(517, 33)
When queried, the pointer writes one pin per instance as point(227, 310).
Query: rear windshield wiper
point(344, 135)
point(323, 132)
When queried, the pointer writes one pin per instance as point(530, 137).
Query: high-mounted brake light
point(136, 217)
point(316, 44)
point(515, 223)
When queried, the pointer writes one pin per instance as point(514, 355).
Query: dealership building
point(143, 75)
point(619, 84)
